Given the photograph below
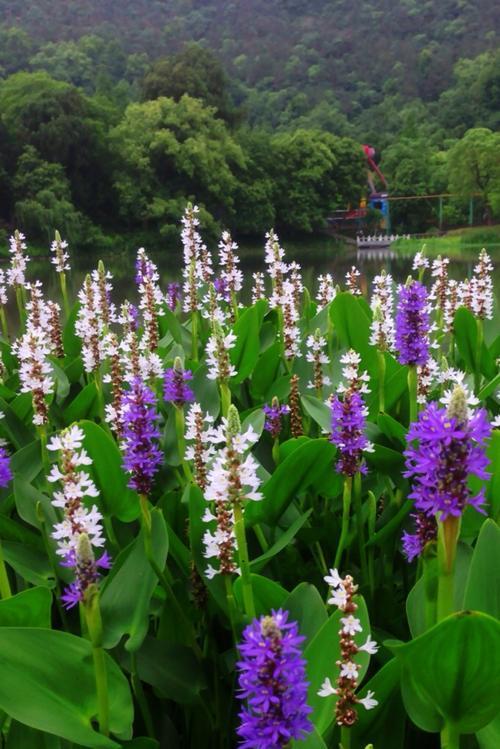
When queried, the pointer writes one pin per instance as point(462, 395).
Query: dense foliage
point(410, 80)
point(267, 524)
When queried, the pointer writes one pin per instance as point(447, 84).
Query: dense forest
point(113, 114)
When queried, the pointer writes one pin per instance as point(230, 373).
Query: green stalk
point(479, 348)
point(430, 577)
point(346, 508)
point(450, 737)
point(194, 336)
point(140, 696)
point(181, 442)
point(381, 380)
point(413, 392)
point(276, 451)
point(3, 320)
point(241, 541)
point(225, 397)
point(42, 433)
point(64, 293)
point(5, 591)
point(448, 532)
point(260, 537)
point(94, 626)
point(372, 517)
point(361, 531)
point(21, 308)
point(231, 606)
point(345, 737)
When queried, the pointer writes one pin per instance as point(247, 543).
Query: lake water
point(317, 256)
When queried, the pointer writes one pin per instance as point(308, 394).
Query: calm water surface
point(316, 256)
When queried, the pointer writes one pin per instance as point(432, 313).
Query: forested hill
point(290, 55)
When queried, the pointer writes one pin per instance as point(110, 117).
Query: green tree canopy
point(474, 167)
point(168, 152)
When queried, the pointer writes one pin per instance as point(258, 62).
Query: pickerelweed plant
point(220, 435)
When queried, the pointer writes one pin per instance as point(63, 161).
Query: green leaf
point(206, 391)
point(30, 608)
point(169, 323)
point(21, 737)
point(318, 411)
point(306, 607)
point(255, 419)
point(17, 433)
point(392, 429)
point(321, 654)
point(71, 342)
point(127, 591)
point(384, 725)
point(312, 741)
point(27, 462)
point(482, 591)
point(246, 350)
point(489, 388)
point(283, 541)
point(489, 736)
point(465, 329)
point(352, 325)
point(117, 498)
point(85, 405)
point(27, 497)
point(451, 674)
point(29, 562)
point(48, 683)
point(61, 381)
point(267, 594)
point(169, 667)
point(493, 485)
point(266, 371)
point(293, 475)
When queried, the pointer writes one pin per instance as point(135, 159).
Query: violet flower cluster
point(5, 469)
point(444, 450)
point(412, 324)
point(274, 415)
point(272, 680)
point(349, 419)
point(425, 532)
point(175, 388)
point(142, 455)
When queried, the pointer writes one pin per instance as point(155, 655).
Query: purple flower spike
point(425, 531)
point(142, 455)
point(272, 680)
point(412, 325)
point(175, 389)
point(173, 295)
point(274, 414)
point(5, 469)
point(86, 571)
point(348, 432)
point(221, 288)
point(448, 449)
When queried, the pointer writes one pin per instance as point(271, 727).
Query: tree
point(194, 71)
point(16, 48)
point(168, 152)
point(314, 173)
point(474, 167)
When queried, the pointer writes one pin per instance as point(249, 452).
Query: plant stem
point(94, 626)
point(260, 537)
point(346, 508)
point(241, 541)
point(5, 591)
point(361, 531)
point(21, 306)
point(448, 532)
point(276, 451)
point(140, 696)
point(413, 392)
point(381, 380)
point(225, 397)
point(479, 348)
point(450, 737)
point(231, 606)
point(181, 444)
point(372, 517)
point(345, 737)
point(194, 336)
point(64, 293)
point(3, 320)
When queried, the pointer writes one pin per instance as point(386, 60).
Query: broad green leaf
point(384, 725)
point(61, 381)
point(169, 323)
point(71, 342)
point(312, 741)
point(246, 350)
point(84, 405)
point(489, 736)
point(29, 562)
point(48, 683)
point(111, 479)
point(482, 592)
point(126, 594)
point(493, 485)
point(352, 324)
point(267, 594)
point(206, 391)
point(392, 429)
point(293, 475)
point(12, 426)
point(465, 329)
point(306, 607)
point(451, 674)
point(141, 743)
point(489, 388)
point(30, 608)
point(24, 737)
point(255, 419)
point(169, 667)
point(318, 411)
point(27, 462)
point(321, 654)
point(281, 543)
point(27, 497)
point(266, 371)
